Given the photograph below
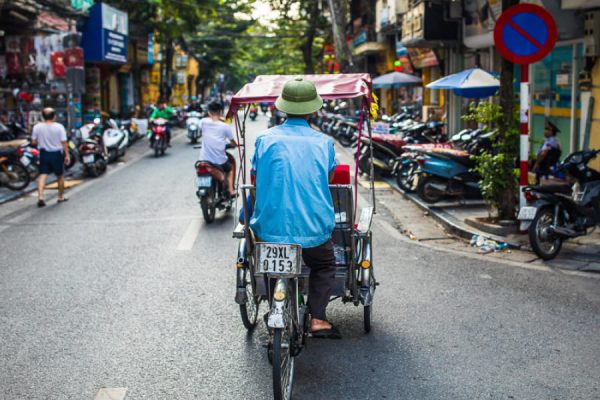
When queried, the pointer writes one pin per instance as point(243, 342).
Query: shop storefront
point(555, 95)
point(41, 65)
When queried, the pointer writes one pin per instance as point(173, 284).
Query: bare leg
point(230, 179)
point(61, 187)
point(41, 185)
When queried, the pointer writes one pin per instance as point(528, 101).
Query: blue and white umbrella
point(472, 83)
point(395, 79)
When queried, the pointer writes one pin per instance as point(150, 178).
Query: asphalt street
point(125, 286)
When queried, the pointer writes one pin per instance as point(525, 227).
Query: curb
point(448, 224)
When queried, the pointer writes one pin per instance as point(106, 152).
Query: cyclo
point(274, 272)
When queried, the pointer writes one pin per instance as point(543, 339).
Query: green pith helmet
point(299, 97)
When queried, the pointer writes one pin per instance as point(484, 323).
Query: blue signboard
point(105, 35)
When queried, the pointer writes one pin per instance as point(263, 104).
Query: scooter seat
point(7, 151)
point(458, 156)
point(556, 188)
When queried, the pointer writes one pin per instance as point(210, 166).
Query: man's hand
point(67, 159)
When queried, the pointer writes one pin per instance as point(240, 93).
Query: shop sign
point(150, 49)
point(108, 27)
point(422, 57)
point(360, 39)
point(400, 49)
point(82, 5)
point(562, 80)
point(380, 128)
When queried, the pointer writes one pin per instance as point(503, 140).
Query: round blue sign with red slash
point(525, 33)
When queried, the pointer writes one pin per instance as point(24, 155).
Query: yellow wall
point(152, 92)
point(595, 128)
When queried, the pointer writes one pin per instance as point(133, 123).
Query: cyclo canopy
point(266, 88)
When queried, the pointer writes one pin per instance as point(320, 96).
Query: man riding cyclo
point(165, 112)
point(216, 135)
point(292, 166)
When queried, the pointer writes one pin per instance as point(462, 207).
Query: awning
point(473, 83)
point(395, 79)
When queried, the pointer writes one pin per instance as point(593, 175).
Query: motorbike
point(407, 168)
point(13, 174)
point(447, 173)
point(212, 188)
point(193, 126)
point(91, 149)
point(555, 213)
point(387, 148)
point(277, 117)
point(115, 141)
point(253, 112)
point(264, 107)
point(158, 138)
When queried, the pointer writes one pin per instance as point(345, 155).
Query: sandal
point(41, 203)
point(62, 200)
point(331, 333)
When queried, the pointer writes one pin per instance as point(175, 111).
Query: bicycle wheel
point(283, 365)
point(249, 310)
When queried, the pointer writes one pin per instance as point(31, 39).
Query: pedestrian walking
point(51, 140)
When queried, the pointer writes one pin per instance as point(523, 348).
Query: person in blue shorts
point(50, 138)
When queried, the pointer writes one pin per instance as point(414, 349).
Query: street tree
point(339, 20)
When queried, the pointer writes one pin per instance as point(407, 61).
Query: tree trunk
point(339, 13)
point(313, 12)
point(506, 208)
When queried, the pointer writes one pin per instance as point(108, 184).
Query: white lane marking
point(190, 235)
point(111, 394)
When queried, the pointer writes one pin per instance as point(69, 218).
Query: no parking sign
point(525, 34)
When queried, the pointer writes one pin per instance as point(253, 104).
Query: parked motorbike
point(193, 126)
point(253, 113)
point(212, 188)
point(158, 138)
point(555, 213)
point(29, 157)
point(13, 174)
point(447, 173)
point(91, 149)
point(115, 141)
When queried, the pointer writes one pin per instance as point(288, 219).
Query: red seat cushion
point(341, 175)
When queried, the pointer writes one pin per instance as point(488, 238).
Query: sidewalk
point(443, 226)
point(582, 253)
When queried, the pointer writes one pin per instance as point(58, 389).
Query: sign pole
point(524, 129)
point(524, 34)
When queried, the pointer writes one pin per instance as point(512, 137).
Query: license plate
point(25, 161)
point(88, 159)
point(278, 259)
point(527, 213)
point(203, 181)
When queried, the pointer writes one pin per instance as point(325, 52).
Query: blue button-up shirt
point(292, 163)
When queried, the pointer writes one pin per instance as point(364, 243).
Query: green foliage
point(497, 168)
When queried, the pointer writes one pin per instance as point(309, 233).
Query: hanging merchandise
point(57, 58)
point(74, 57)
point(13, 64)
point(42, 50)
point(71, 39)
point(13, 44)
point(3, 67)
